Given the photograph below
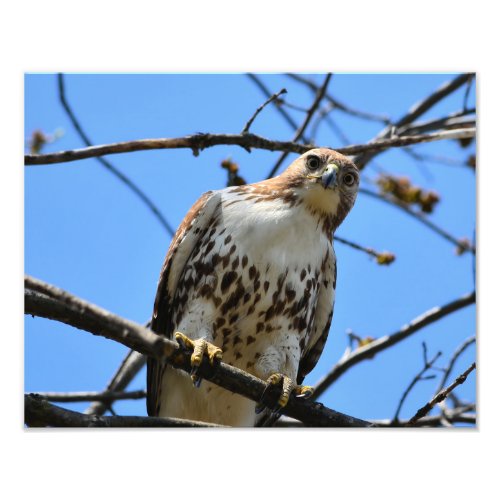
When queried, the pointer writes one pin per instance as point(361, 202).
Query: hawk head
point(326, 182)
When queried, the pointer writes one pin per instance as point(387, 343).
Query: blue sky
point(87, 233)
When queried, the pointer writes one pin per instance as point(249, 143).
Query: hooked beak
point(329, 177)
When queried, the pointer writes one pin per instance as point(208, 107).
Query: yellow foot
point(199, 348)
point(288, 387)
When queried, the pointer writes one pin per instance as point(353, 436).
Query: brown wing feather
point(322, 322)
point(178, 253)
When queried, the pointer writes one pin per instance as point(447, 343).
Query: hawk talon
point(288, 387)
point(259, 408)
point(303, 391)
point(200, 347)
point(196, 380)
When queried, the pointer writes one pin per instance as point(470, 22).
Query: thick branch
point(457, 415)
point(370, 350)
point(105, 396)
point(202, 141)
point(50, 302)
point(38, 412)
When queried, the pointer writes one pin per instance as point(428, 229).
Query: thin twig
point(467, 89)
point(128, 369)
point(324, 115)
point(415, 112)
point(370, 350)
point(459, 415)
point(424, 220)
point(62, 306)
point(106, 164)
point(461, 349)
point(418, 377)
point(300, 131)
point(450, 122)
point(382, 257)
point(444, 160)
point(336, 104)
point(441, 396)
point(268, 93)
point(246, 128)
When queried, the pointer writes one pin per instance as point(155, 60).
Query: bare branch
point(418, 377)
point(106, 164)
point(246, 128)
point(459, 244)
point(467, 89)
point(202, 141)
point(457, 120)
point(300, 131)
point(128, 369)
point(441, 396)
point(383, 258)
point(77, 397)
point(268, 93)
point(457, 415)
point(461, 349)
point(336, 104)
point(370, 350)
point(61, 306)
point(38, 412)
point(444, 160)
point(415, 112)
point(324, 115)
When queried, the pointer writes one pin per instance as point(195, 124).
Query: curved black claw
point(259, 408)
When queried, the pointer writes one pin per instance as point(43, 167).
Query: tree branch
point(272, 98)
point(299, 133)
point(106, 164)
point(457, 415)
point(202, 141)
point(38, 412)
point(424, 220)
point(370, 350)
point(456, 355)
point(336, 104)
point(415, 112)
point(42, 299)
point(77, 397)
point(128, 369)
point(418, 377)
point(383, 258)
point(268, 94)
point(441, 396)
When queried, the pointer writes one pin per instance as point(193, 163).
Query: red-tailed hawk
point(251, 272)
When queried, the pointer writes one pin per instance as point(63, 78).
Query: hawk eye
point(349, 179)
point(313, 163)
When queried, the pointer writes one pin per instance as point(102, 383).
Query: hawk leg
point(288, 387)
point(200, 347)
